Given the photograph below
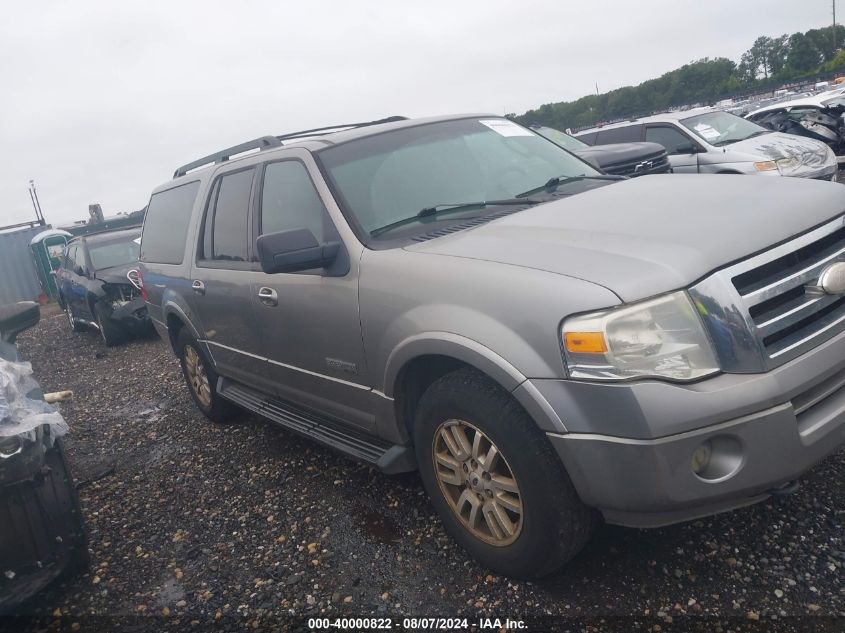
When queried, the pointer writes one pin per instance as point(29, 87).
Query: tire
point(74, 325)
point(80, 559)
point(110, 332)
point(210, 403)
point(553, 525)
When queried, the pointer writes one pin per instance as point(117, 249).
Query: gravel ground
point(244, 525)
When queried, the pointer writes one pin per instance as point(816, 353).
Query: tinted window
point(225, 229)
point(68, 260)
point(79, 259)
point(668, 137)
point(289, 200)
point(627, 134)
point(166, 224)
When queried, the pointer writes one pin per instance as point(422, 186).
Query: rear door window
point(166, 225)
point(226, 226)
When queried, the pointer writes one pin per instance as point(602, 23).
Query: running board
point(387, 457)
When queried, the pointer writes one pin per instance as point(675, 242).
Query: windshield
point(110, 254)
point(564, 140)
point(389, 177)
point(722, 128)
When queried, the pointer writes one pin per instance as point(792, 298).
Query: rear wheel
point(493, 477)
point(202, 380)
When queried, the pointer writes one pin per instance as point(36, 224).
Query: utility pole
point(834, 28)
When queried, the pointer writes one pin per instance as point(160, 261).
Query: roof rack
point(331, 129)
point(266, 142)
point(223, 155)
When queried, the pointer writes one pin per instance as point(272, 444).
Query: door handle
point(198, 287)
point(268, 296)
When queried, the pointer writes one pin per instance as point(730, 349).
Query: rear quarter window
point(166, 225)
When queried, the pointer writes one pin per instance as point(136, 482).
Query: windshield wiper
point(557, 181)
point(438, 209)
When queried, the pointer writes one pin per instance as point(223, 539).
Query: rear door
point(681, 148)
point(220, 278)
point(309, 326)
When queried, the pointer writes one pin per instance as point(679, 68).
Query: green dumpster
point(48, 251)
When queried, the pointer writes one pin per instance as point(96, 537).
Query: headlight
point(658, 338)
point(787, 162)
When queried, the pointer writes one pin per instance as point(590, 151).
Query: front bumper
point(133, 316)
point(771, 428)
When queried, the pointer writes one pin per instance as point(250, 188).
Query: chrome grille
point(773, 296)
point(659, 164)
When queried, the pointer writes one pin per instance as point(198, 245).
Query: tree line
point(769, 63)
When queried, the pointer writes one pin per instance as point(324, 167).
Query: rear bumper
point(629, 447)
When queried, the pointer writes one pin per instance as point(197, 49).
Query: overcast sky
point(101, 101)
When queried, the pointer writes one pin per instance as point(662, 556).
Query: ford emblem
point(832, 279)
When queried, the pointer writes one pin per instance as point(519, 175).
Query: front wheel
point(493, 477)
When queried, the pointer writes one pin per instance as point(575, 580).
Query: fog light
point(701, 457)
point(718, 458)
point(10, 446)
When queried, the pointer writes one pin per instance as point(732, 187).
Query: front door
point(308, 321)
point(74, 284)
point(681, 148)
point(220, 279)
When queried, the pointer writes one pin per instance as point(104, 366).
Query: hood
point(116, 274)
point(645, 236)
point(607, 155)
point(810, 152)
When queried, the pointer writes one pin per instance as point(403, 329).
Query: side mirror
point(294, 250)
point(686, 148)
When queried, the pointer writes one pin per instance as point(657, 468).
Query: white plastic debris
point(19, 412)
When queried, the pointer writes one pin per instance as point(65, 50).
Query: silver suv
point(546, 344)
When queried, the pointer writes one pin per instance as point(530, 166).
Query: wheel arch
point(420, 361)
point(175, 319)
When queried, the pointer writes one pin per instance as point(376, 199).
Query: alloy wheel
point(197, 377)
point(477, 483)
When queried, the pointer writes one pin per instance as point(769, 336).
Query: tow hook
point(786, 489)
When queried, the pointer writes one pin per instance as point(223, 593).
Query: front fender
point(455, 346)
point(482, 358)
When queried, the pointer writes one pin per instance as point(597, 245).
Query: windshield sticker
point(707, 131)
point(506, 128)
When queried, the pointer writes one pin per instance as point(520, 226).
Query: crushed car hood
point(115, 274)
point(646, 236)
